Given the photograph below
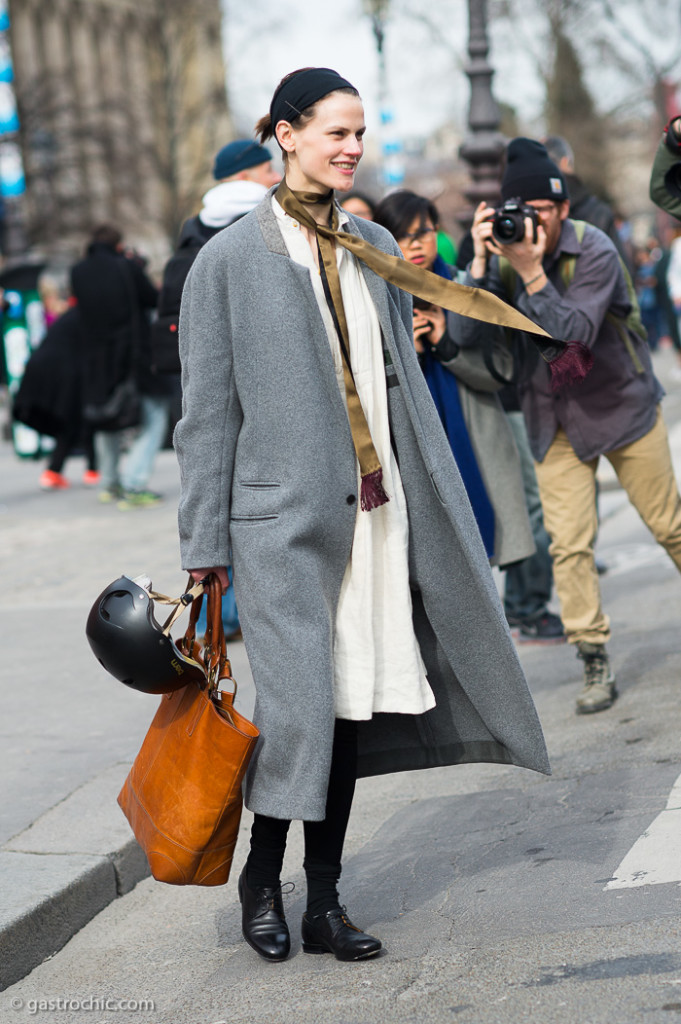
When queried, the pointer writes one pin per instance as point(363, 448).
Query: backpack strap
point(623, 325)
point(508, 278)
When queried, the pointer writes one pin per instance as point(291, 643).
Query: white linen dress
point(377, 662)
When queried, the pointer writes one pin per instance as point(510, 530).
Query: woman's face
point(419, 244)
point(325, 152)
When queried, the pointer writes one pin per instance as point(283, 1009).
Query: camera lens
point(505, 229)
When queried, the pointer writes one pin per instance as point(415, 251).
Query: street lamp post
point(392, 164)
point(484, 144)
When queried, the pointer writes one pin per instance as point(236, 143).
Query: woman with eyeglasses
point(314, 462)
point(464, 391)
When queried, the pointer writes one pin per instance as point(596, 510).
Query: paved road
point(500, 896)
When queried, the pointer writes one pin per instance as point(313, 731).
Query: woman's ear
point(285, 136)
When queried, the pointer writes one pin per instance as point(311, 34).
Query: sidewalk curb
point(68, 866)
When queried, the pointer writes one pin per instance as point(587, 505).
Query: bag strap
point(623, 325)
point(180, 603)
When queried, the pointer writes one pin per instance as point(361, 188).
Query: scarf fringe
point(571, 366)
point(372, 493)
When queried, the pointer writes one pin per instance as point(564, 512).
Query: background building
point(122, 104)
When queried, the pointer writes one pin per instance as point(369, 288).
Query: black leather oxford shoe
point(334, 932)
point(262, 920)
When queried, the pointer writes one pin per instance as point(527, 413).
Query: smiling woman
point(314, 461)
point(325, 156)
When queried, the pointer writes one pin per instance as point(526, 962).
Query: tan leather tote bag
point(183, 794)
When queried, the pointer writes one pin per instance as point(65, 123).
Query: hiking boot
point(545, 629)
point(51, 481)
point(138, 499)
point(599, 691)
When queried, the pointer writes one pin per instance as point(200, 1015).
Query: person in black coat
point(114, 296)
point(49, 399)
point(243, 172)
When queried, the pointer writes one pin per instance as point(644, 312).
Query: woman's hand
point(219, 570)
point(429, 326)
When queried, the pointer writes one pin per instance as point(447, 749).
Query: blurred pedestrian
point(114, 296)
point(647, 258)
point(583, 204)
point(464, 391)
point(244, 172)
point(359, 204)
point(312, 457)
point(49, 400)
point(528, 584)
point(54, 303)
point(669, 320)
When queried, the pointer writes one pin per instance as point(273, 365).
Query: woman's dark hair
point(264, 128)
point(371, 203)
point(398, 211)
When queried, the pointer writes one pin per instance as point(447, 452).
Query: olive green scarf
point(473, 302)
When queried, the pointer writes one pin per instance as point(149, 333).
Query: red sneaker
point(90, 477)
point(51, 481)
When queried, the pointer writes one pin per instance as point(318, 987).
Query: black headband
point(301, 91)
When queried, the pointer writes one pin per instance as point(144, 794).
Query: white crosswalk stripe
point(655, 858)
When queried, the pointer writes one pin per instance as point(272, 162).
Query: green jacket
point(665, 179)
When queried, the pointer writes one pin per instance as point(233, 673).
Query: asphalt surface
point(488, 885)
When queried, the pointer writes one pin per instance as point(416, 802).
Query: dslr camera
point(508, 223)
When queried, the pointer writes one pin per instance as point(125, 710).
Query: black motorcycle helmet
point(129, 643)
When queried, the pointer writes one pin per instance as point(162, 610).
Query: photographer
point(665, 179)
point(568, 278)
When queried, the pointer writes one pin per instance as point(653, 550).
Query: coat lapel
point(302, 285)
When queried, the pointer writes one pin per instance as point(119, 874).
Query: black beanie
point(531, 173)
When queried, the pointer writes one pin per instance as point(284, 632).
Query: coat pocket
point(255, 501)
point(254, 519)
point(437, 490)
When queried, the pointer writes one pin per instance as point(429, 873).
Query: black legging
point(67, 441)
point(323, 839)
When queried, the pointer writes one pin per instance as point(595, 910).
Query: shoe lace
point(346, 920)
point(595, 667)
point(276, 895)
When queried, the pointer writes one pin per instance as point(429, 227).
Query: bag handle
point(218, 666)
point(214, 654)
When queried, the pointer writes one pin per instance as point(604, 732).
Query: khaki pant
point(568, 493)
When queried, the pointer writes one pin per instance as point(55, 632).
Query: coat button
point(351, 499)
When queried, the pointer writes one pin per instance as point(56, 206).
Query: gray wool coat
point(495, 448)
point(269, 483)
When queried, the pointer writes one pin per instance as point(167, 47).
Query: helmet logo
point(177, 666)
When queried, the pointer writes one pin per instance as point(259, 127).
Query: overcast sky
point(266, 40)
